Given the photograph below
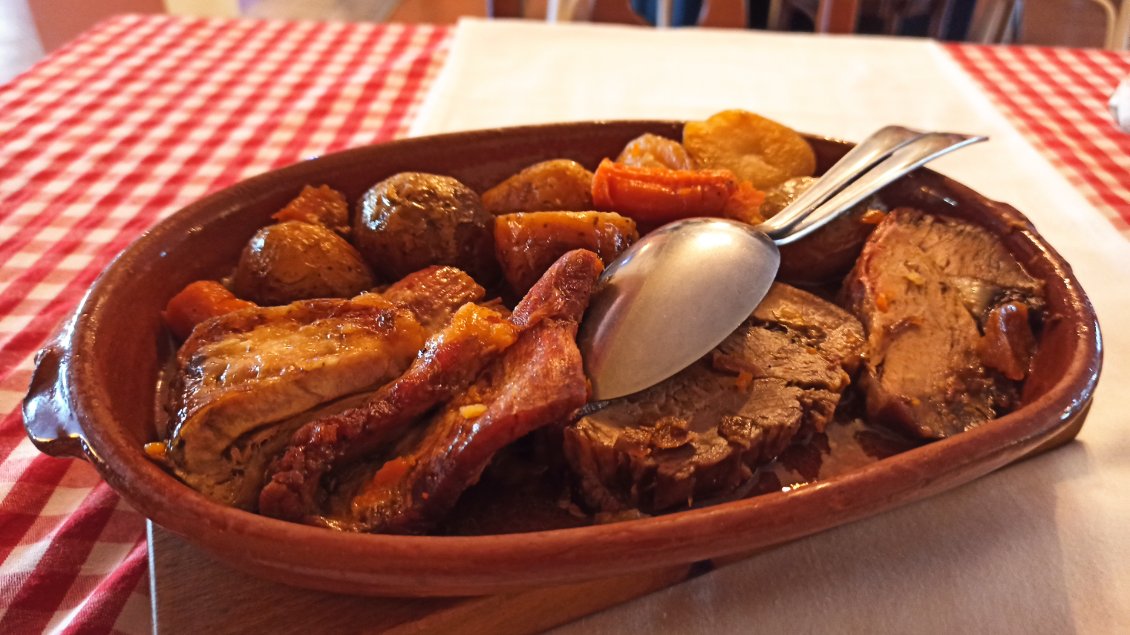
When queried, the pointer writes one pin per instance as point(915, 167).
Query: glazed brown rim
point(669, 539)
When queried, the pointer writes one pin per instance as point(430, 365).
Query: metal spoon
point(683, 288)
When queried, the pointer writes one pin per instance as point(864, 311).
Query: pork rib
point(450, 361)
point(536, 382)
point(244, 380)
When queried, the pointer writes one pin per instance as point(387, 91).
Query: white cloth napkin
point(1120, 105)
point(1038, 547)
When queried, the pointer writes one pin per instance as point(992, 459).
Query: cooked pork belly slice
point(536, 382)
point(450, 361)
point(539, 381)
point(701, 433)
point(945, 307)
point(240, 377)
point(433, 294)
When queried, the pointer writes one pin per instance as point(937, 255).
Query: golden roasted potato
point(779, 196)
point(554, 185)
point(653, 151)
point(412, 220)
point(296, 261)
point(828, 253)
point(756, 149)
point(528, 243)
point(318, 205)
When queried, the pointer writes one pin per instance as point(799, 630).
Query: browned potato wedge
point(827, 254)
point(554, 185)
point(653, 151)
point(412, 220)
point(528, 243)
point(757, 149)
point(297, 261)
point(318, 205)
point(779, 196)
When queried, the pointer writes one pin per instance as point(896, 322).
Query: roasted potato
point(828, 253)
point(528, 243)
point(296, 261)
point(756, 149)
point(653, 151)
point(780, 196)
point(412, 220)
point(554, 185)
point(318, 205)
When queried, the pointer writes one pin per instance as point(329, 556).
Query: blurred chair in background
point(711, 13)
point(824, 16)
point(1058, 22)
point(887, 17)
point(1117, 15)
point(59, 21)
point(996, 22)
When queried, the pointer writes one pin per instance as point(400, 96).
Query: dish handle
point(49, 415)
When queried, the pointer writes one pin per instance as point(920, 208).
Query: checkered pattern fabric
point(132, 121)
point(1057, 98)
point(143, 115)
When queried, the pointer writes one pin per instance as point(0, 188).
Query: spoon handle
point(879, 145)
point(905, 159)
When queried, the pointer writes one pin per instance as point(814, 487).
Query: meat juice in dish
point(411, 367)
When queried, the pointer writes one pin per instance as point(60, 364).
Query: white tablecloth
point(1038, 547)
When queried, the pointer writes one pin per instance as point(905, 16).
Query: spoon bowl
point(688, 285)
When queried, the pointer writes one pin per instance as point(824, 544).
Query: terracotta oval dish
point(93, 392)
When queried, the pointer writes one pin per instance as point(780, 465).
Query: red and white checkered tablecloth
point(106, 137)
point(142, 115)
point(1057, 97)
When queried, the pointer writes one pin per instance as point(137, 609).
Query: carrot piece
point(198, 302)
point(655, 195)
point(386, 478)
point(392, 471)
point(745, 204)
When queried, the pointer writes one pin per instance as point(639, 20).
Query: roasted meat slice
point(243, 379)
point(537, 381)
point(946, 310)
point(701, 433)
point(433, 294)
point(450, 361)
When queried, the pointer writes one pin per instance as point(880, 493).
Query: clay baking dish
point(92, 394)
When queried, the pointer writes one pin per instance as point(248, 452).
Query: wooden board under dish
point(192, 593)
